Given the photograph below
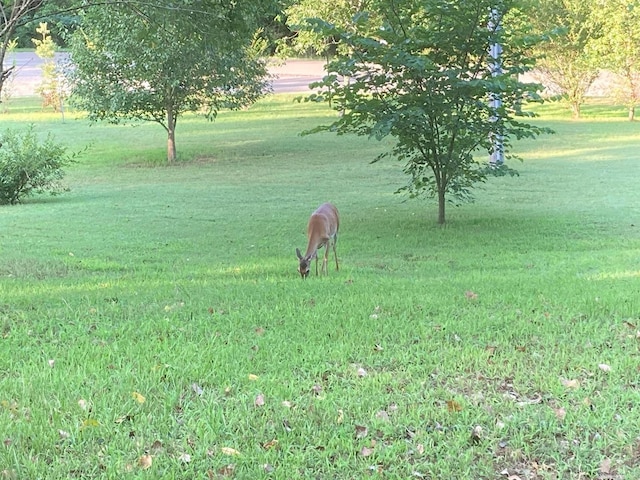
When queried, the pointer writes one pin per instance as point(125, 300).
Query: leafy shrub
point(28, 165)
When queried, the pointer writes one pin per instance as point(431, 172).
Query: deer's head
point(305, 263)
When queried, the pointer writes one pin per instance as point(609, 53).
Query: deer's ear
point(298, 253)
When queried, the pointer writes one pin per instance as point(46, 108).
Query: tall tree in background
point(338, 12)
point(422, 75)
point(619, 47)
point(13, 14)
point(154, 62)
point(567, 64)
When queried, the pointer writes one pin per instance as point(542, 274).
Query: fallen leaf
point(366, 451)
point(268, 468)
point(145, 462)
point(51, 362)
point(185, 458)
point(605, 466)
point(476, 434)
point(89, 423)
point(63, 434)
point(604, 367)
point(286, 403)
point(138, 397)
point(453, 406)
point(83, 404)
point(259, 331)
point(232, 452)
point(471, 295)
point(560, 413)
point(361, 431)
point(253, 377)
point(574, 384)
point(377, 347)
point(259, 401)
point(197, 389)
point(227, 470)
point(382, 415)
point(340, 418)
point(362, 372)
point(270, 444)
point(317, 389)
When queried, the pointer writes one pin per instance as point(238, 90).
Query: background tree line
point(415, 70)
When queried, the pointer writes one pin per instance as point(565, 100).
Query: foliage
point(619, 47)
point(340, 13)
point(28, 165)
point(154, 63)
point(423, 78)
point(567, 64)
point(50, 89)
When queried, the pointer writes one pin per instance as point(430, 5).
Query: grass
point(153, 324)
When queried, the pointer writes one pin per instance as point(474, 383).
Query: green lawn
point(153, 323)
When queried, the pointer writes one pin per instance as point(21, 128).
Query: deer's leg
point(335, 254)
point(325, 260)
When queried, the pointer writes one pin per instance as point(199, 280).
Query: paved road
point(290, 77)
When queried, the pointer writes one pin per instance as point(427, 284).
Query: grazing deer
point(322, 231)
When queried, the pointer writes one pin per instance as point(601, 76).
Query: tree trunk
point(171, 136)
point(632, 113)
point(575, 110)
point(441, 206)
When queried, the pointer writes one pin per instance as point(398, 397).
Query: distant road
point(292, 76)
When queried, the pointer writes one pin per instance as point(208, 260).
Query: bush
point(29, 166)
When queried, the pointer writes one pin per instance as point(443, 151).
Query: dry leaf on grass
point(138, 397)
point(559, 412)
point(453, 406)
point(366, 451)
point(145, 462)
point(604, 367)
point(232, 452)
point(270, 444)
point(573, 384)
point(361, 431)
point(471, 295)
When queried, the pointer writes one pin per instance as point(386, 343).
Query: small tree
point(567, 65)
point(51, 87)
point(28, 165)
point(423, 78)
point(619, 47)
point(154, 62)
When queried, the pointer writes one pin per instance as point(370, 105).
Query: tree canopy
point(155, 62)
point(567, 63)
point(423, 77)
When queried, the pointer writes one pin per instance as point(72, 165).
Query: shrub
point(28, 165)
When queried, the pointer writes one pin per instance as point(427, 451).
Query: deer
point(322, 231)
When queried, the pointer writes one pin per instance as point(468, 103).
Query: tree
point(423, 78)
point(566, 64)
point(339, 12)
point(12, 15)
point(154, 62)
point(619, 46)
point(50, 89)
